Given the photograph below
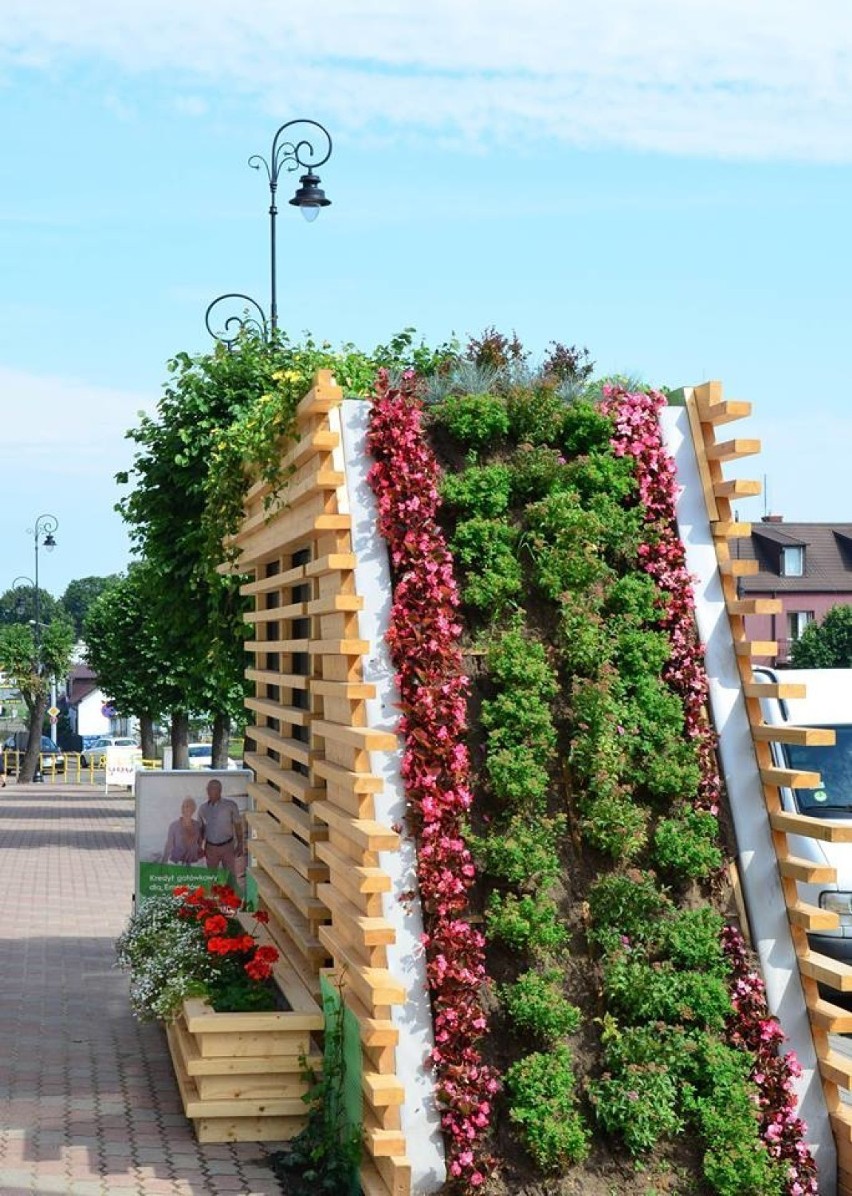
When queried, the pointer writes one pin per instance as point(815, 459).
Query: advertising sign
point(121, 766)
point(171, 845)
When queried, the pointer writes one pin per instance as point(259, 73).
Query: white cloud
point(754, 79)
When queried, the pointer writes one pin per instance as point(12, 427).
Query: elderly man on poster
point(221, 828)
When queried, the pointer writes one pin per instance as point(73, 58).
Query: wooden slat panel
point(285, 780)
point(366, 833)
point(296, 925)
point(375, 986)
point(357, 879)
point(288, 848)
point(362, 738)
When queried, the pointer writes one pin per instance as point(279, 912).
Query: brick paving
point(88, 1101)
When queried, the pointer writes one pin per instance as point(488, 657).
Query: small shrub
point(523, 854)
point(475, 421)
point(640, 1104)
point(567, 363)
point(535, 472)
point(526, 923)
point(542, 1103)
point(692, 940)
point(687, 846)
point(515, 659)
point(520, 717)
point(479, 490)
point(642, 991)
point(628, 903)
point(635, 599)
point(486, 548)
point(519, 778)
point(536, 1005)
point(535, 415)
point(615, 825)
point(585, 428)
point(564, 545)
point(600, 473)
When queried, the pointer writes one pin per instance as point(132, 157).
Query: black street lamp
point(309, 198)
point(45, 526)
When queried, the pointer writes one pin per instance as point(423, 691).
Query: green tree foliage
point(825, 645)
point(79, 596)
point(123, 649)
point(29, 665)
point(18, 605)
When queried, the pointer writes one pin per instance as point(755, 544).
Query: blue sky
point(667, 182)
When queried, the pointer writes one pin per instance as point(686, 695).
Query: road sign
point(54, 712)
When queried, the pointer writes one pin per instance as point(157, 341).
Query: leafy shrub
point(736, 1158)
point(480, 490)
point(614, 824)
point(519, 717)
point(627, 903)
point(686, 846)
point(640, 651)
point(536, 470)
point(635, 599)
point(542, 1103)
point(583, 635)
point(642, 991)
point(475, 421)
point(564, 545)
point(524, 853)
point(640, 1104)
point(692, 940)
point(526, 923)
point(600, 473)
point(536, 1005)
point(519, 778)
point(584, 428)
point(487, 550)
point(535, 414)
point(516, 659)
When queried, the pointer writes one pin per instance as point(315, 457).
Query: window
point(792, 562)
point(797, 621)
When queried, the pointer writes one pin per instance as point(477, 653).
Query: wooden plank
point(289, 646)
point(324, 395)
point(375, 986)
point(739, 566)
point(829, 1017)
point(737, 488)
point(351, 647)
point(732, 450)
point(283, 680)
point(291, 850)
point(293, 749)
point(285, 779)
point(356, 878)
point(811, 828)
point(201, 1019)
point(276, 614)
point(836, 1068)
point(807, 871)
point(803, 736)
point(248, 1129)
point(334, 562)
point(335, 603)
point(791, 778)
point(704, 470)
point(782, 689)
point(384, 1143)
point(361, 738)
point(297, 927)
point(352, 922)
point(295, 716)
point(812, 917)
point(291, 884)
point(729, 529)
point(748, 648)
point(833, 972)
point(353, 691)
point(276, 581)
point(365, 833)
point(725, 412)
point(755, 606)
point(381, 1090)
point(345, 778)
point(375, 1031)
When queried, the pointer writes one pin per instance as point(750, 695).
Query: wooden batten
point(315, 841)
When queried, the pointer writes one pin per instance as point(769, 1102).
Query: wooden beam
point(812, 917)
point(748, 648)
point(811, 828)
point(801, 736)
point(791, 778)
point(807, 871)
point(737, 488)
point(732, 450)
point(782, 689)
point(833, 972)
point(755, 606)
point(728, 529)
point(739, 567)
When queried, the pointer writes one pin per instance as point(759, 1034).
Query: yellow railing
point(74, 770)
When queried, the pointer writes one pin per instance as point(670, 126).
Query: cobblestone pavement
point(88, 1102)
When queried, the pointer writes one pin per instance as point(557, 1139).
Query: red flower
point(261, 915)
point(216, 924)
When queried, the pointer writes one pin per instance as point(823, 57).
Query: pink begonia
point(638, 435)
point(423, 638)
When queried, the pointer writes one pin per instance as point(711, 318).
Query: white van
point(828, 704)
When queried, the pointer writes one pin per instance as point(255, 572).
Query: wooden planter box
point(239, 1074)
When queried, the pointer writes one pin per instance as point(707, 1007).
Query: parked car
point(201, 756)
point(96, 751)
point(827, 704)
point(52, 757)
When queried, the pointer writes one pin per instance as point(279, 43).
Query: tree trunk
point(146, 734)
point(221, 737)
point(30, 765)
point(180, 739)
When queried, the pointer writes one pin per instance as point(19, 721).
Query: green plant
point(626, 903)
point(325, 1156)
point(543, 1104)
point(480, 490)
point(686, 845)
point(526, 923)
point(535, 471)
point(486, 548)
point(645, 990)
point(476, 421)
point(523, 853)
point(536, 1005)
point(585, 428)
point(640, 1104)
point(535, 414)
point(519, 778)
point(692, 940)
point(613, 823)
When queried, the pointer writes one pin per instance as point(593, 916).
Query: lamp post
point(45, 526)
point(309, 198)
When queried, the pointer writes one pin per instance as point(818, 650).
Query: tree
point(123, 649)
point(825, 645)
point(30, 664)
point(18, 605)
point(79, 596)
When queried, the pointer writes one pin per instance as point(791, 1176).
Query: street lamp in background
point(45, 526)
point(309, 197)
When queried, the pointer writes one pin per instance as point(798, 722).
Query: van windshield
point(834, 797)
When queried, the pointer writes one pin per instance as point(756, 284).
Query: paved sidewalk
point(88, 1103)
